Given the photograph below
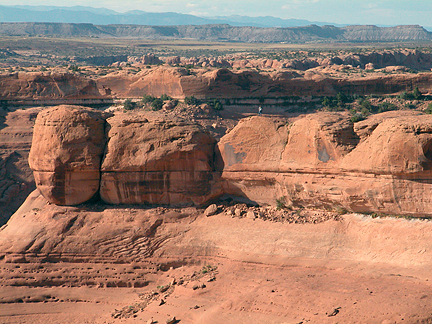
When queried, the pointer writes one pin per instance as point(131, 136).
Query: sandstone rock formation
point(382, 164)
point(155, 81)
point(66, 152)
point(179, 82)
point(226, 83)
point(324, 164)
point(394, 59)
point(156, 162)
point(36, 85)
point(16, 177)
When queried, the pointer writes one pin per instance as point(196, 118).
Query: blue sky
point(377, 12)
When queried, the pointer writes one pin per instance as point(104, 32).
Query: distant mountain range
point(103, 16)
point(101, 22)
point(223, 32)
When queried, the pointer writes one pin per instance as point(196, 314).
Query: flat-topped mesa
point(67, 147)
point(323, 163)
point(157, 162)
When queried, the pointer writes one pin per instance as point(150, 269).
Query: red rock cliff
point(383, 164)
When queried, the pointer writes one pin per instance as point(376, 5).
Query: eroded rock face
point(16, 177)
point(156, 162)
point(398, 146)
point(383, 164)
point(318, 141)
point(68, 143)
point(36, 85)
point(385, 167)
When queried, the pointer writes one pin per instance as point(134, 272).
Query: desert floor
point(222, 269)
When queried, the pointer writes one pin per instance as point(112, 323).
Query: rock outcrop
point(16, 177)
point(68, 143)
point(225, 83)
point(382, 164)
point(150, 162)
point(37, 85)
point(155, 81)
point(179, 82)
point(156, 162)
point(325, 163)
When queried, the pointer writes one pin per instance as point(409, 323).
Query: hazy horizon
point(378, 12)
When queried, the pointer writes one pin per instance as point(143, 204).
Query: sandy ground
point(235, 292)
point(217, 269)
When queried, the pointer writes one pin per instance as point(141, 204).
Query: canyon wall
point(178, 82)
point(47, 85)
point(16, 178)
point(382, 164)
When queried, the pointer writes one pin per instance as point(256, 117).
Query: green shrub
point(406, 96)
point(341, 98)
point(365, 112)
point(191, 100)
point(165, 97)
point(74, 68)
point(281, 203)
point(417, 94)
point(129, 104)
point(357, 117)
point(365, 105)
point(410, 106)
point(216, 105)
point(148, 99)
point(386, 106)
point(337, 103)
point(157, 104)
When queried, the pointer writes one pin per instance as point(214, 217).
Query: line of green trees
point(156, 103)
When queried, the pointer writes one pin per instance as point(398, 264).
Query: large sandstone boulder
point(156, 162)
point(66, 152)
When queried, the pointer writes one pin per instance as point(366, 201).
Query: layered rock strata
point(151, 162)
point(382, 164)
point(16, 177)
point(225, 83)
